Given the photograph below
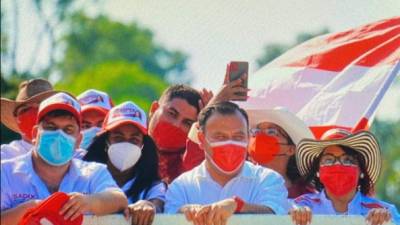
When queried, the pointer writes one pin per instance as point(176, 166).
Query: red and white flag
point(334, 80)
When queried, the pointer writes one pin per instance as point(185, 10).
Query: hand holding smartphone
point(238, 70)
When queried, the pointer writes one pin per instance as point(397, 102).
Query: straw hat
point(363, 142)
point(31, 91)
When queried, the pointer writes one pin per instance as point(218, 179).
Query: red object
point(239, 204)
point(339, 179)
point(168, 137)
point(48, 211)
point(170, 165)
point(263, 148)
point(193, 156)
point(336, 51)
point(26, 121)
point(228, 157)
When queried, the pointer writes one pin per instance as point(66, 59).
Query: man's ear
point(201, 137)
point(34, 134)
point(154, 106)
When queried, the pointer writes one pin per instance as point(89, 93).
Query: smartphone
point(236, 70)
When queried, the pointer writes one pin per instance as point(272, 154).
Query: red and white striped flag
point(334, 80)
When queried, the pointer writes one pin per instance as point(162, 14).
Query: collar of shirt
point(128, 184)
point(353, 208)
point(25, 145)
point(202, 173)
point(25, 166)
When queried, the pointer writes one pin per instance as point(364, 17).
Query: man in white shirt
point(225, 183)
point(20, 115)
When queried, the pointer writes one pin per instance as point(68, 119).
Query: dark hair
point(224, 108)
point(365, 183)
point(145, 170)
point(59, 113)
point(184, 92)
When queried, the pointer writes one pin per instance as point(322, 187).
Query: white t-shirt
point(254, 184)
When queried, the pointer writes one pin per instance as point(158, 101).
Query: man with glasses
point(224, 183)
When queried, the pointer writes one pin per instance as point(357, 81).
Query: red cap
point(125, 113)
point(95, 100)
point(60, 101)
point(48, 211)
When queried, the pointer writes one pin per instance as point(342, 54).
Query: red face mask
point(169, 137)
point(263, 148)
point(339, 179)
point(26, 121)
point(228, 156)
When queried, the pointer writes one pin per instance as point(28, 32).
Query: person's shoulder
point(309, 199)
point(260, 172)
point(188, 177)
point(89, 168)
point(371, 203)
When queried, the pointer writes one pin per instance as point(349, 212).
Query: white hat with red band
point(95, 100)
point(60, 101)
point(125, 113)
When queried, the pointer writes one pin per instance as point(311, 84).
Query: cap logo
point(91, 99)
point(127, 112)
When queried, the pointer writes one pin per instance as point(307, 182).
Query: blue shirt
point(21, 147)
point(20, 183)
point(254, 184)
point(359, 205)
point(157, 191)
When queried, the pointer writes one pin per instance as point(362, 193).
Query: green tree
point(92, 41)
point(121, 80)
point(388, 133)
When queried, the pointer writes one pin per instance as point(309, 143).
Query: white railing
point(162, 219)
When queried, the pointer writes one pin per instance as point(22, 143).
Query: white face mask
point(124, 155)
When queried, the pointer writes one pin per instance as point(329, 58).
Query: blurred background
point(134, 49)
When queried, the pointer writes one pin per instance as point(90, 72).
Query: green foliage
point(92, 41)
point(121, 80)
point(388, 133)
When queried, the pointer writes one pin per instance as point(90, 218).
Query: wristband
point(239, 204)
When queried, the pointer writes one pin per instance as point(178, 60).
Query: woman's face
point(126, 133)
point(335, 154)
point(285, 149)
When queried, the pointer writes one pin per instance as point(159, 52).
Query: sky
point(214, 32)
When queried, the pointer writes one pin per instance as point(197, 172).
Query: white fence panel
point(162, 219)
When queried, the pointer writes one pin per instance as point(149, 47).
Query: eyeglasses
point(346, 160)
point(272, 131)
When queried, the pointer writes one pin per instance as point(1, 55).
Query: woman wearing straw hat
point(343, 167)
point(275, 134)
point(131, 157)
point(20, 115)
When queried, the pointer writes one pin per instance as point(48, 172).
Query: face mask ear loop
point(107, 146)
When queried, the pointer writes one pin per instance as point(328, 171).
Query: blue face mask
point(56, 147)
point(88, 136)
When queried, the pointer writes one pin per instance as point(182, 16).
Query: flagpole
point(367, 118)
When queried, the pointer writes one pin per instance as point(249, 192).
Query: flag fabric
point(334, 80)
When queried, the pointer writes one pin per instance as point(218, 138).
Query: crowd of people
point(195, 153)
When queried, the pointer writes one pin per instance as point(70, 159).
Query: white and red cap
point(125, 113)
point(60, 101)
point(95, 100)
